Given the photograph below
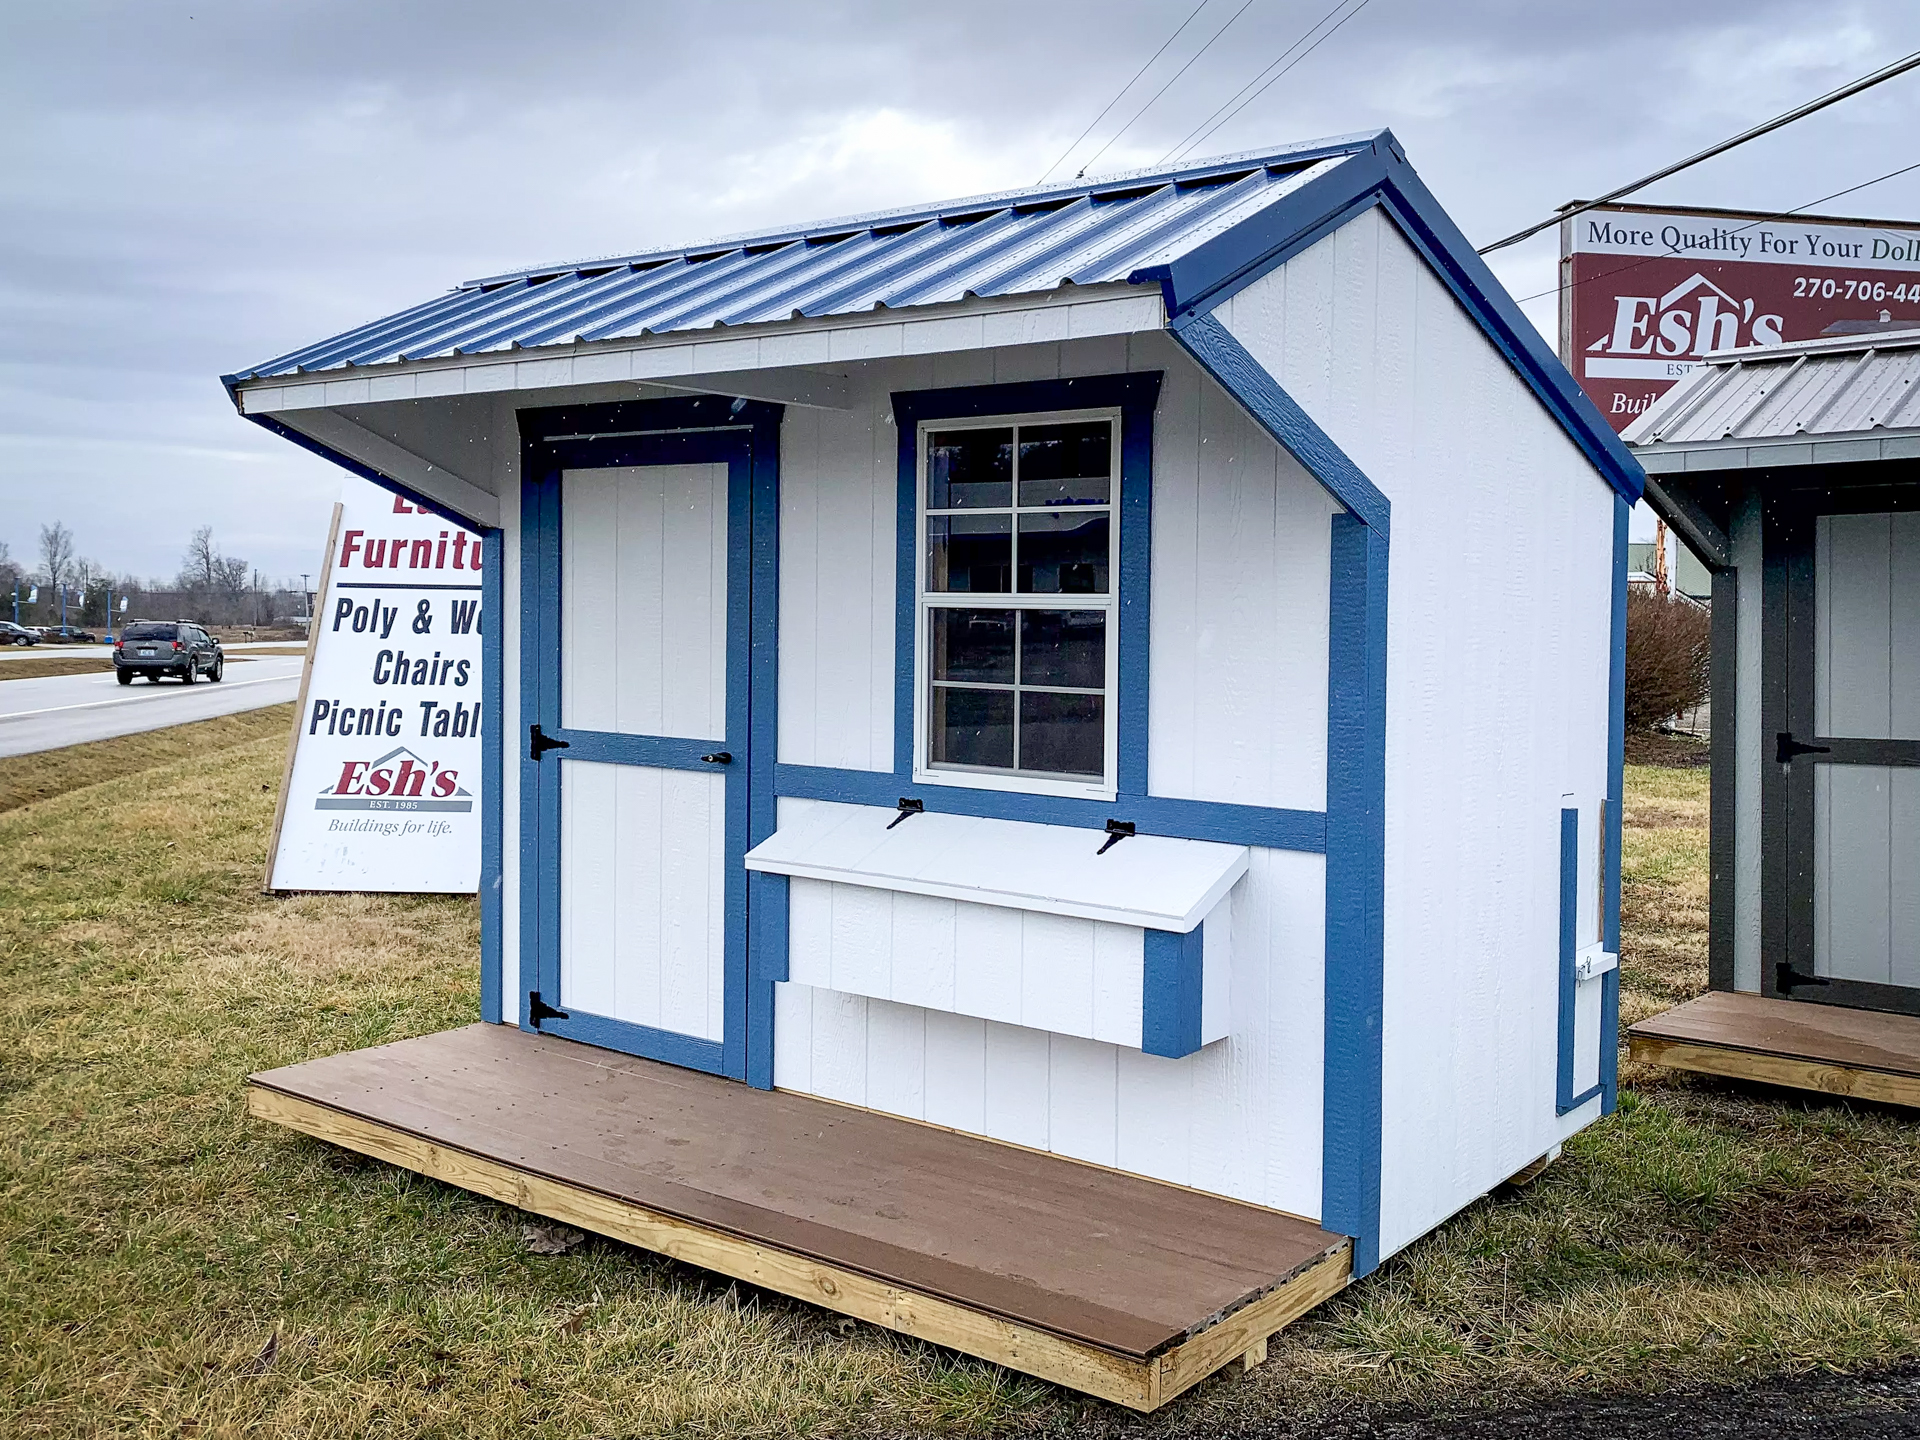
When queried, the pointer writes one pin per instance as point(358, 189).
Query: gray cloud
point(193, 187)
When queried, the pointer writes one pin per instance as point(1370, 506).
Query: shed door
point(1854, 790)
point(645, 810)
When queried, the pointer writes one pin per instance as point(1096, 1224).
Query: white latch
point(1594, 960)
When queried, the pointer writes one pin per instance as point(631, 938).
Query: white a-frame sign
point(382, 784)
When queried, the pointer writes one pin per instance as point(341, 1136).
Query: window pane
point(1064, 554)
point(1066, 464)
point(1063, 647)
point(969, 469)
point(972, 727)
point(973, 645)
point(1064, 734)
point(970, 553)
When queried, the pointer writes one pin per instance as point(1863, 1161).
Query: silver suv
point(167, 647)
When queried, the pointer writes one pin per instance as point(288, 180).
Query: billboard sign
point(382, 789)
point(1646, 293)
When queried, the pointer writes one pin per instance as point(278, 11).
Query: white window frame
point(1106, 785)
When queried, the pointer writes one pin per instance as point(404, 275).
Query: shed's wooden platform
point(1861, 1053)
point(1108, 1283)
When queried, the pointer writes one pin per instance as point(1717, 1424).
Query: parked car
point(12, 634)
point(167, 647)
point(68, 635)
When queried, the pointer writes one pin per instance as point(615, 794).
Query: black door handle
point(719, 757)
point(538, 743)
point(1786, 747)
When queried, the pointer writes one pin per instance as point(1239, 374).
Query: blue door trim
point(493, 694)
point(694, 430)
point(1564, 1100)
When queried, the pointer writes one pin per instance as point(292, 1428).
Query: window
point(1019, 549)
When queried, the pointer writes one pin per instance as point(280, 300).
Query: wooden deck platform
point(1861, 1053)
point(1117, 1286)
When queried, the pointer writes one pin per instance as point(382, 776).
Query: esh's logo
point(398, 780)
point(1674, 330)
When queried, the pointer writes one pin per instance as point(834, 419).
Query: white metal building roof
point(1851, 397)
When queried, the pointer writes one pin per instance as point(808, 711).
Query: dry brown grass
point(172, 1268)
point(25, 779)
point(39, 667)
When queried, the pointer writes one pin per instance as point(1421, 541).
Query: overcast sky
point(193, 186)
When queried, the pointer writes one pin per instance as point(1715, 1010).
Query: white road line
point(136, 699)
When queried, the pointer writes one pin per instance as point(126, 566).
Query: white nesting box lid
point(1145, 880)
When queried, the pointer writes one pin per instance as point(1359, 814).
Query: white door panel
point(642, 896)
point(643, 561)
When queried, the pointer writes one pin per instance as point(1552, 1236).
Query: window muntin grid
point(1018, 563)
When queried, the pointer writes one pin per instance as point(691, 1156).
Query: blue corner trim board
point(1210, 273)
point(1247, 380)
point(493, 690)
point(1356, 888)
point(745, 437)
point(1616, 800)
point(1171, 982)
point(1564, 1100)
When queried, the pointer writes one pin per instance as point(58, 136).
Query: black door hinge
point(1117, 830)
point(1785, 978)
point(1785, 747)
point(538, 1009)
point(538, 743)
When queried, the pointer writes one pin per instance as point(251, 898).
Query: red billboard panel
point(1646, 293)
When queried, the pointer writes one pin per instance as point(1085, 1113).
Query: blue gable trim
point(1171, 969)
point(1209, 273)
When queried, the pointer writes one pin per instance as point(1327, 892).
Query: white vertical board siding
point(1241, 561)
point(1046, 972)
point(1240, 1118)
point(643, 607)
point(1866, 818)
point(1500, 578)
point(642, 895)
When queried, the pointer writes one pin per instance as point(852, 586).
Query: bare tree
point(56, 553)
point(199, 567)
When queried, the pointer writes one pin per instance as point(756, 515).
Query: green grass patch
point(173, 1268)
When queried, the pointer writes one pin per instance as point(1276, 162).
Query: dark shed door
point(1850, 757)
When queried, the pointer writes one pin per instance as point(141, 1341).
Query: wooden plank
point(1797, 1074)
point(927, 1317)
point(1793, 1030)
point(1097, 1256)
point(1139, 1384)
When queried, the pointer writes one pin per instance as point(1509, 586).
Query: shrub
point(1669, 656)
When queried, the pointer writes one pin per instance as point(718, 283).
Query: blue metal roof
point(1118, 228)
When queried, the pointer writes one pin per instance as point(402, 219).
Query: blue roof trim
point(1215, 270)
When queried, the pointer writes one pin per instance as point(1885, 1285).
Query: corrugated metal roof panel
point(1848, 385)
point(1018, 242)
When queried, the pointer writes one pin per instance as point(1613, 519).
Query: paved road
point(57, 710)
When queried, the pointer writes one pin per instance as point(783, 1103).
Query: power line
point(1123, 90)
point(1164, 88)
point(1207, 126)
point(1865, 82)
point(1674, 250)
